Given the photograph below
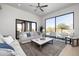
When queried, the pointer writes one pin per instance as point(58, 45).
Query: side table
point(75, 42)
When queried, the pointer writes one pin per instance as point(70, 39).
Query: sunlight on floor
point(70, 51)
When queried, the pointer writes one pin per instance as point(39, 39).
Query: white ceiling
point(52, 7)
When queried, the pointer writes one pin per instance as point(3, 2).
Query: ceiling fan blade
point(42, 10)
point(44, 6)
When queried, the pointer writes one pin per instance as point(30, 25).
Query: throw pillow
point(28, 34)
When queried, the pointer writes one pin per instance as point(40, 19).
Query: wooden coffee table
point(41, 42)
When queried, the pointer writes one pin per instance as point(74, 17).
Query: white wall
point(74, 9)
point(9, 14)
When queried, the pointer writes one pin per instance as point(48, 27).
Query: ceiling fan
point(39, 7)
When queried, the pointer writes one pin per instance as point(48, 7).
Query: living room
point(19, 19)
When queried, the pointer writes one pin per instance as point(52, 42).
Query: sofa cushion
point(8, 39)
point(34, 34)
point(7, 52)
point(24, 35)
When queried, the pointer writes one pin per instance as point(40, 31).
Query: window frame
point(24, 21)
point(59, 16)
point(48, 19)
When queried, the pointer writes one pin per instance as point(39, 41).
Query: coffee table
point(41, 42)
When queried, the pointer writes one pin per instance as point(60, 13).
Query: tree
point(62, 26)
point(49, 29)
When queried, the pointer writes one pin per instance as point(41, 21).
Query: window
point(28, 26)
point(25, 26)
point(59, 24)
point(64, 23)
point(19, 27)
point(50, 25)
point(33, 27)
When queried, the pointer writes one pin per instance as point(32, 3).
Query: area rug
point(46, 50)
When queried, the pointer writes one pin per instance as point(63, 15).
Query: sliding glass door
point(50, 26)
point(64, 23)
point(59, 24)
